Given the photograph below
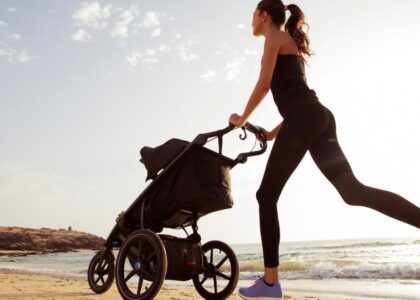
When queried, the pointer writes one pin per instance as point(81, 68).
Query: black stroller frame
point(146, 258)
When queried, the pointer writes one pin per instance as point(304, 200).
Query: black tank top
point(288, 84)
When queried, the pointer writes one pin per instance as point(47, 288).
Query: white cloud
point(226, 47)
point(182, 48)
point(14, 37)
point(186, 57)
point(151, 19)
point(240, 26)
point(178, 36)
point(234, 69)
point(191, 42)
point(150, 52)
point(92, 15)
point(23, 57)
point(81, 36)
point(149, 60)
point(156, 32)
point(120, 29)
point(146, 57)
point(208, 76)
point(3, 24)
point(11, 9)
point(15, 56)
point(7, 52)
point(163, 48)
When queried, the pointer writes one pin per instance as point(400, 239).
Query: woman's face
point(257, 22)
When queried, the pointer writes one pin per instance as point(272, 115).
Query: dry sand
point(26, 286)
point(32, 286)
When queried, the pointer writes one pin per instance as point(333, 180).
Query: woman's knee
point(265, 198)
point(353, 192)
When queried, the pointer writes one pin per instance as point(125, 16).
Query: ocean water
point(386, 268)
point(391, 258)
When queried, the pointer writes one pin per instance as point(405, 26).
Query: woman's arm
point(268, 62)
point(258, 94)
point(275, 131)
point(271, 135)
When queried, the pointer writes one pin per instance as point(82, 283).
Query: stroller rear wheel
point(221, 273)
point(101, 272)
point(141, 266)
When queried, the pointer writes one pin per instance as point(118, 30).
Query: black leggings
point(312, 127)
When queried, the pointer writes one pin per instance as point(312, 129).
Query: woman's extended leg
point(330, 159)
point(281, 163)
point(296, 135)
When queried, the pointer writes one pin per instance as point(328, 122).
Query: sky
point(85, 85)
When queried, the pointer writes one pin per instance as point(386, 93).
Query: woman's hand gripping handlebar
point(202, 139)
point(259, 134)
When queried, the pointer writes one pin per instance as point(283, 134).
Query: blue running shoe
point(261, 291)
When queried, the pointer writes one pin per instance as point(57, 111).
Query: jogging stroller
point(193, 181)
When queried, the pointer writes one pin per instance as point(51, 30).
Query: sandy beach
point(27, 286)
point(323, 270)
point(15, 285)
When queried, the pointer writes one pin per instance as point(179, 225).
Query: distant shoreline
point(20, 241)
point(17, 253)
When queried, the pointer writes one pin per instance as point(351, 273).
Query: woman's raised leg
point(330, 159)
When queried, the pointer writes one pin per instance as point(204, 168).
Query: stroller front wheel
point(221, 271)
point(101, 272)
point(141, 266)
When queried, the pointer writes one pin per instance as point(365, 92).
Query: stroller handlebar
point(201, 139)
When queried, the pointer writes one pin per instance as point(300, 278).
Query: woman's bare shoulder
point(286, 44)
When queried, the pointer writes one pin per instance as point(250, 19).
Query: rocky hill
point(17, 240)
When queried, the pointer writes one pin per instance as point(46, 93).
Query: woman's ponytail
point(294, 26)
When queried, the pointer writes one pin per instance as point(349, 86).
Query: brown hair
point(294, 24)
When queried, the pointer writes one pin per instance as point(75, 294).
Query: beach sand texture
point(30, 287)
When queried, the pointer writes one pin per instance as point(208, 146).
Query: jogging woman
point(307, 125)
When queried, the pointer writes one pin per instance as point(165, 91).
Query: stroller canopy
point(155, 159)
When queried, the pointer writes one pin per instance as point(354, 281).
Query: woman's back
point(288, 83)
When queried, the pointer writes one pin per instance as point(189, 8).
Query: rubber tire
point(228, 290)
point(109, 257)
point(159, 247)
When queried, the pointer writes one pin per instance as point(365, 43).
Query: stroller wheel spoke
point(139, 250)
point(211, 256)
point(131, 274)
point(150, 257)
point(97, 279)
point(146, 273)
point(139, 285)
point(221, 262)
point(215, 284)
point(204, 279)
point(102, 279)
point(105, 271)
point(222, 275)
point(133, 252)
point(98, 266)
